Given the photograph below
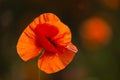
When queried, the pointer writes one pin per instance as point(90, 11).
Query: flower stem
point(39, 75)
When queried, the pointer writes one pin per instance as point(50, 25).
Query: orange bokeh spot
point(95, 32)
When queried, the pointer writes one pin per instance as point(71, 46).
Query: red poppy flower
point(49, 36)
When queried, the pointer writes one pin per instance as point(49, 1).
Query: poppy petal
point(51, 63)
point(68, 54)
point(48, 18)
point(72, 47)
point(63, 37)
point(27, 47)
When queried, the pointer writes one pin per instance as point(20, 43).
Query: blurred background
point(95, 27)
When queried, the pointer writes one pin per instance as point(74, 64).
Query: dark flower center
point(44, 33)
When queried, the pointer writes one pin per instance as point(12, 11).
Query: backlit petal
point(48, 18)
point(51, 63)
point(63, 37)
point(27, 47)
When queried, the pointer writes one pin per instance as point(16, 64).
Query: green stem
point(39, 75)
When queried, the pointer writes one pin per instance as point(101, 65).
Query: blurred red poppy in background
point(95, 32)
point(49, 36)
